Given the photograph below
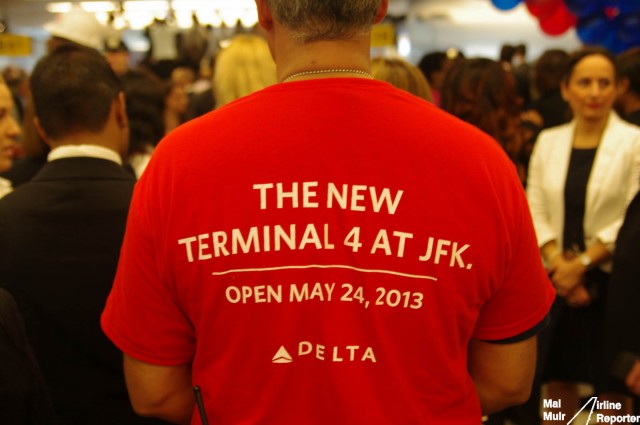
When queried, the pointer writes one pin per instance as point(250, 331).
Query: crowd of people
point(311, 235)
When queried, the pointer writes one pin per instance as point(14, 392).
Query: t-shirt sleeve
point(142, 316)
point(524, 297)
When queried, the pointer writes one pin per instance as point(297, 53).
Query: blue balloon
point(623, 6)
point(628, 27)
point(613, 43)
point(584, 8)
point(506, 4)
point(593, 29)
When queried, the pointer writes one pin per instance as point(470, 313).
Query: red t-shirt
point(322, 252)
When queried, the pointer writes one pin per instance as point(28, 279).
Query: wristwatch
point(585, 260)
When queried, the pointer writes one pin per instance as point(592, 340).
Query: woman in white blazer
point(582, 176)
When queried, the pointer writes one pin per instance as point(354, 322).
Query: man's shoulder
point(348, 101)
point(70, 173)
point(327, 112)
point(79, 169)
point(630, 128)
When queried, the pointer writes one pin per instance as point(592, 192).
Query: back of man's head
point(73, 91)
point(313, 20)
point(628, 67)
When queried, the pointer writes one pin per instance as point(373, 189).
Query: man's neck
point(352, 54)
point(107, 138)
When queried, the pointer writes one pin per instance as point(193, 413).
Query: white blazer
point(614, 181)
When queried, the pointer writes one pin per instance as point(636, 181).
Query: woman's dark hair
point(144, 94)
point(507, 51)
point(577, 56)
point(432, 62)
point(549, 70)
point(481, 92)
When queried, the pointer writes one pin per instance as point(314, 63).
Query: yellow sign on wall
point(15, 45)
point(383, 35)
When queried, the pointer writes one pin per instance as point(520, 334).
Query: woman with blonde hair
point(243, 67)
point(403, 75)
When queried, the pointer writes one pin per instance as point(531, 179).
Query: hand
point(567, 274)
point(533, 117)
point(578, 297)
point(554, 262)
point(633, 379)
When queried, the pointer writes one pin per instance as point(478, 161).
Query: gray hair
point(314, 20)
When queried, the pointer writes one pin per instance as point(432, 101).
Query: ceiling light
point(489, 16)
point(146, 6)
point(138, 19)
point(98, 6)
point(59, 7)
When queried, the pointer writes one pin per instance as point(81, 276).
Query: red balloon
point(559, 22)
point(542, 9)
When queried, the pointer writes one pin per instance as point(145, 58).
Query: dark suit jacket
point(60, 237)
point(623, 315)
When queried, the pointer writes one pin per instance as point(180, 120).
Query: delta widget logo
point(336, 354)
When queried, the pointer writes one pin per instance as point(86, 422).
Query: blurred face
point(591, 88)
point(119, 61)
point(438, 77)
point(9, 129)
point(177, 100)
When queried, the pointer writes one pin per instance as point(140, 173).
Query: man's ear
point(265, 18)
point(40, 131)
point(121, 110)
point(382, 11)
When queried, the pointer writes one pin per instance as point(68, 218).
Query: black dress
point(577, 334)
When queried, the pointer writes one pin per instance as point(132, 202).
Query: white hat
point(78, 26)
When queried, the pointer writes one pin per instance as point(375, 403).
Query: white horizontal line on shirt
point(329, 266)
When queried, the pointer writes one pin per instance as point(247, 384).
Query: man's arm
point(502, 373)
point(163, 392)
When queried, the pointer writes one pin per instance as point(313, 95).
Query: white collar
point(91, 151)
point(5, 187)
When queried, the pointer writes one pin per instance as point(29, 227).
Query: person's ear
point(121, 110)
point(265, 18)
point(382, 11)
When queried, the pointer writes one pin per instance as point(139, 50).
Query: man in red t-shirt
point(329, 250)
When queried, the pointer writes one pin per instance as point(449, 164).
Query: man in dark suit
point(60, 235)
point(623, 316)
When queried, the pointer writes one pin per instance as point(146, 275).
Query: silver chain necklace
point(328, 71)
